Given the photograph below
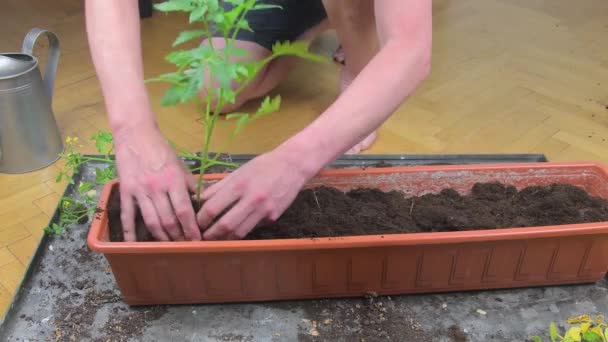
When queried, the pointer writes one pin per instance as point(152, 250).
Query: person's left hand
point(261, 189)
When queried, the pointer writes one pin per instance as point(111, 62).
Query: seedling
point(217, 68)
point(204, 69)
point(78, 209)
point(74, 159)
point(584, 329)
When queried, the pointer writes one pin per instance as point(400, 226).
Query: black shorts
point(281, 24)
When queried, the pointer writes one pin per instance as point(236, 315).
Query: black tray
point(68, 291)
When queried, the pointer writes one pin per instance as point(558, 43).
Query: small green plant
point(217, 67)
point(74, 159)
point(204, 64)
point(79, 208)
point(583, 328)
point(73, 211)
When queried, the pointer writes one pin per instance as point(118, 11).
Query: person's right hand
point(154, 179)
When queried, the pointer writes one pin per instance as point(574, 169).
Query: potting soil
point(329, 212)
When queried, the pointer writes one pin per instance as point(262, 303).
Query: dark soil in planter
point(328, 212)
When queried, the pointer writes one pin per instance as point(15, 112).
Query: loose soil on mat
point(328, 212)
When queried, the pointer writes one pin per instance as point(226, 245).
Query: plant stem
point(209, 125)
point(213, 162)
point(97, 159)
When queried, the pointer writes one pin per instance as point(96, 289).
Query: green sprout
point(203, 64)
point(583, 329)
point(225, 77)
point(80, 208)
point(74, 159)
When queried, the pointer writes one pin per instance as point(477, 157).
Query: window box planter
point(262, 270)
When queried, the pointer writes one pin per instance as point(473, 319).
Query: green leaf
point(103, 176)
point(214, 5)
point(573, 333)
point(591, 336)
point(218, 18)
point(224, 73)
point(193, 86)
point(172, 96)
point(234, 115)
point(579, 319)
point(198, 13)
point(553, 332)
point(173, 78)
point(240, 123)
point(85, 187)
point(53, 229)
point(103, 141)
point(59, 177)
point(268, 106)
point(597, 330)
point(244, 25)
point(188, 35)
point(111, 170)
point(66, 202)
point(585, 326)
point(175, 5)
point(297, 48)
point(234, 14)
point(536, 339)
point(265, 6)
point(179, 58)
point(249, 70)
point(228, 96)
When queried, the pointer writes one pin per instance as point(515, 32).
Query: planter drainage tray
point(70, 293)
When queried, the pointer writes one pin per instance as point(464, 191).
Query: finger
point(229, 222)
point(151, 219)
point(214, 206)
point(184, 212)
point(127, 216)
point(168, 220)
point(211, 190)
point(190, 180)
point(246, 226)
point(191, 184)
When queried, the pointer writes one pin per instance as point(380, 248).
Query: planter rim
point(100, 223)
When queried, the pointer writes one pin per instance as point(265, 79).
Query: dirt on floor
point(366, 319)
point(82, 302)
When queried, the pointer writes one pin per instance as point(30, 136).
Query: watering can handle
point(51, 65)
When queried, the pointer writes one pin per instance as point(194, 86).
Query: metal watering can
point(29, 137)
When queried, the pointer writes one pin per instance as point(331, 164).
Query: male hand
point(261, 189)
point(154, 179)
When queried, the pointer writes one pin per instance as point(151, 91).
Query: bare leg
point(273, 73)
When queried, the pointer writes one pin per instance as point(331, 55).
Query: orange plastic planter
point(237, 271)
